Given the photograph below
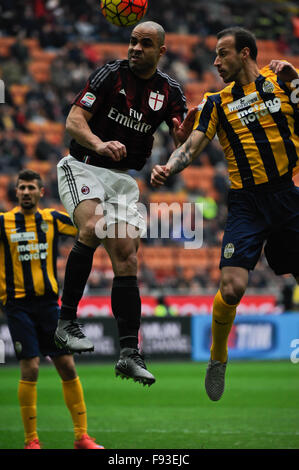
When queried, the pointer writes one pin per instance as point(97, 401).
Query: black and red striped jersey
point(127, 109)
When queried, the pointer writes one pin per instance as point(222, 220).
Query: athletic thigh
point(22, 329)
point(282, 246)
point(245, 232)
point(46, 319)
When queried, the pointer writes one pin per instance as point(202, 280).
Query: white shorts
point(116, 189)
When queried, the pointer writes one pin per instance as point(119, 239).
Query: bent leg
point(125, 297)
point(232, 287)
point(80, 259)
point(126, 307)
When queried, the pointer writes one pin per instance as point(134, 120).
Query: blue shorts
point(258, 217)
point(32, 324)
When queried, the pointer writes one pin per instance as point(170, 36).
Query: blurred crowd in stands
point(48, 48)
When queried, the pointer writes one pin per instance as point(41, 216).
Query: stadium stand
point(46, 56)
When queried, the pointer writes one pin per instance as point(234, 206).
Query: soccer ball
point(124, 12)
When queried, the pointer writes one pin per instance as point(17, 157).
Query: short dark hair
point(243, 38)
point(30, 175)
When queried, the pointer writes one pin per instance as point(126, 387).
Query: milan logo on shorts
point(155, 100)
point(85, 189)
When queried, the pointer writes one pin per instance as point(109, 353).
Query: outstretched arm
point(180, 158)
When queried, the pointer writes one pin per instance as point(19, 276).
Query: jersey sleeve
point(290, 88)
point(206, 118)
point(177, 107)
point(294, 91)
point(64, 224)
point(97, 86)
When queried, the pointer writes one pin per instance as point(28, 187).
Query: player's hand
point(159, 175)
point(183, 130)
point(285, 70)
point(113, 149)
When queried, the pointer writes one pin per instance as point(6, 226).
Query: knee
point(29, 370)
point(87, 233)
point(65, 366)
point(232, 290)
point(126, 263)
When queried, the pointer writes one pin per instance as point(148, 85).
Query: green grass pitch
point(259, 409)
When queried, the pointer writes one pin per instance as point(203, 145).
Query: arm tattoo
point(181, 157)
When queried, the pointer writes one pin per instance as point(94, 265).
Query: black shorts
point(256, 217)
point(32, 324)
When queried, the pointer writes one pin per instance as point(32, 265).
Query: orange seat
point(40, 71)
point(31, 43)
point(102, 50)
point(4, 51)
point(181, 44)
point(192, 258)
point(41, 167)
point(39, 55)
point(4, 180)
point(210, 42)
point(168, 197)
point(7, 41)
point(30, 141)
point(199, 178)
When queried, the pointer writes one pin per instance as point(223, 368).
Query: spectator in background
point(12, 153)
point(45, 151)
point(19, 51)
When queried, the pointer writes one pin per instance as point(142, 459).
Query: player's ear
point(162, 50)
point(42, 191)
point(245, 52)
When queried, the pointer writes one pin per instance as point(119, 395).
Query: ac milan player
point(112, 122)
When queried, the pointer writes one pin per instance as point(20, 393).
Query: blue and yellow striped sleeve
point(64, 224)
point(206, 119)
point(290, 88)
point(293, 87)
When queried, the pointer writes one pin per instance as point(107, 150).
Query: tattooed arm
point(180, 158)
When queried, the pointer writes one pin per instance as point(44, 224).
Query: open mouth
point(135, 57)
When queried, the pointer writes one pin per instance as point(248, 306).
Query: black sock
point(126, 308)
point(77, 271)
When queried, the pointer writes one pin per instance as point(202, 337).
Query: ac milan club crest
point(155, 100)
point(85, 189)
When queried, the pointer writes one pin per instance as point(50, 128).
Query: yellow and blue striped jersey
point(256, 127)
point(28, 252)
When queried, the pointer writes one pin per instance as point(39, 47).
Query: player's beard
point(232, 74)
point(27, 205)
point(140, 67)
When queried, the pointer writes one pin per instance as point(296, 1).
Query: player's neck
point(248, 74)
point(28, 211)
point(145, 75)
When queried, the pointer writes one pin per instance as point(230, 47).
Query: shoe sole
point(63, 346)
point(141, 380)
point(214, 390)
